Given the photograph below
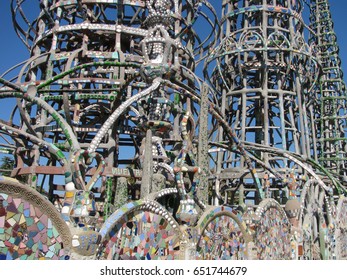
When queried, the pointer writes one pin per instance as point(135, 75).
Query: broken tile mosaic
point(142, 236)
point(26, 233)
point(222, 239)
point(272, 236)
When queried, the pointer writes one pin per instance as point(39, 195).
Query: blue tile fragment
point(40, 226)
point(27, 213)
point(8, 256)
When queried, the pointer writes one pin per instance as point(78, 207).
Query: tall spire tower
point(263, 70)
point(332, 96)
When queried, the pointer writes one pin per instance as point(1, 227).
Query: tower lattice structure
point(264, 68)
point(332, 97)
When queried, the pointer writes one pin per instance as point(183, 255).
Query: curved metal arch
point(124, 215)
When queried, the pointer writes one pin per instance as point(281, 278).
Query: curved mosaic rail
point(30, 226)
point(140, 230)
point(222, 236)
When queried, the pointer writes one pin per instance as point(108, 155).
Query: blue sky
point(13, 51)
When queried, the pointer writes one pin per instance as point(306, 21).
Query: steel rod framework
point(332, 96)
point(263, 72)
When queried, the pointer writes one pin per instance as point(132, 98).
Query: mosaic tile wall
point(31, 228)
point(272, 232)
point(26, 232)
point(143, 229)
point(142, 234)
point(222, 239)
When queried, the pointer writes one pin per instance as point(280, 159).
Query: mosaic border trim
point(12, 187)
point(144, 205)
